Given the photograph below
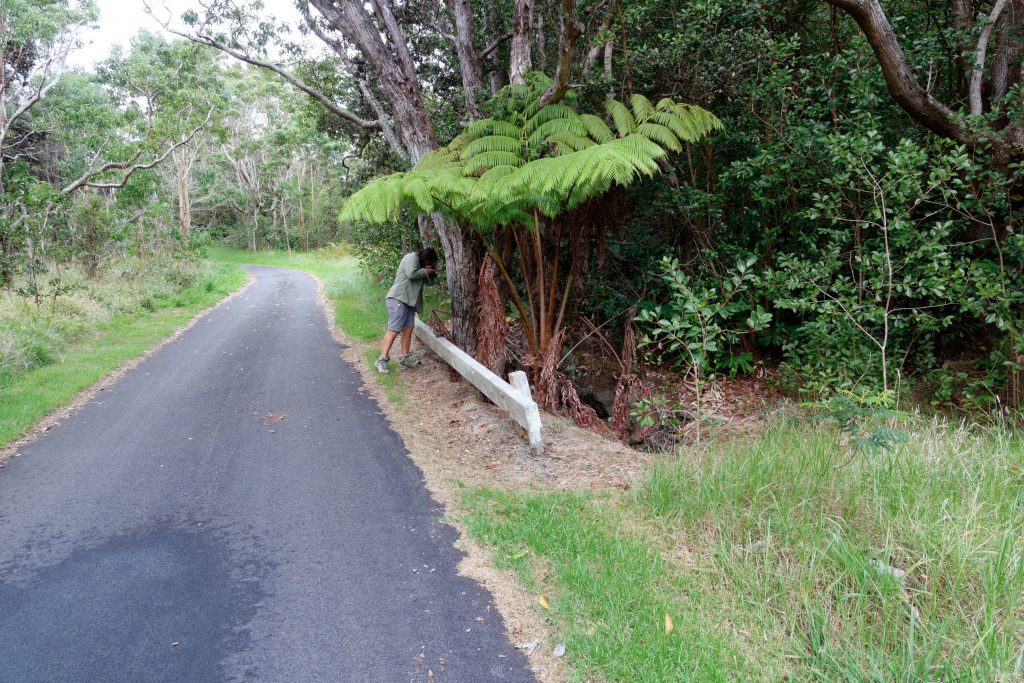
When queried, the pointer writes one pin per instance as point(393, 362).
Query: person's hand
point(431, 270)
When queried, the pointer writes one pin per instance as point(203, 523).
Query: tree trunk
point(519, 61)
point(462, 267)
point(469, 61)
point(396, 75)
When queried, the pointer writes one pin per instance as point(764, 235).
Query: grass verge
point(26, 396)
point(773, 560)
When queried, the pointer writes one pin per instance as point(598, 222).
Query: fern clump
point(528, 158)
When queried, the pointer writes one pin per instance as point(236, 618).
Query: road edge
point(61, 413)
point(477, 563)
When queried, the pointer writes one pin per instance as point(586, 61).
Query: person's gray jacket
point(409, 281)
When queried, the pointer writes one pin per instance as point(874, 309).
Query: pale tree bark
point(184, 158)
point(18, 96)
point(978, 68)
point(129, 168)
point(606, 46)
point(470, 63)
point(520, 60)
point(390, 62)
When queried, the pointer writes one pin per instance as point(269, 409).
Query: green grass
point(772, 558)
point(29, 394)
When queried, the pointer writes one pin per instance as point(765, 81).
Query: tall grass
point(898, 566)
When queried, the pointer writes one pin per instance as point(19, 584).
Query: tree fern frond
point(597, 129)
point(548, 113)
point(491, 143)
point(437, 159)
point(642, 107)
point(488, 160)
point(621, 116)
point(482, 127)
point(665, 103)
point(570, 141)
point(556, 125)
point(419, 193)
point(661, 135)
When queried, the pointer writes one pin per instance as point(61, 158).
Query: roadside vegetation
point(779, 556)
point(53, 346)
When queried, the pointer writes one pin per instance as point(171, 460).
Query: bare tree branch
point(903, 85)
point(495, 44)
point(270, 66)
point(129, 167)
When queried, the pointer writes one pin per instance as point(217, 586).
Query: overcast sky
point(120, 20)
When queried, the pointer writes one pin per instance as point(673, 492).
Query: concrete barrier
point(513, 397)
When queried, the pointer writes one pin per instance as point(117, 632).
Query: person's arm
point(408, 268)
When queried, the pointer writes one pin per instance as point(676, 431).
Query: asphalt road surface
point(166, 533)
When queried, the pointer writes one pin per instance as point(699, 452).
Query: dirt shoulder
point(458, 439)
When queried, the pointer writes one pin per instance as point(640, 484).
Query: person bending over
point(404, 301)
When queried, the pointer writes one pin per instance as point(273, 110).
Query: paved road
point(164, 533)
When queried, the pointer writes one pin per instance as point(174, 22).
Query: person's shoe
point(409, 361)
point(382, 365)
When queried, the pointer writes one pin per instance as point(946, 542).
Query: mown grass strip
point(28, 396)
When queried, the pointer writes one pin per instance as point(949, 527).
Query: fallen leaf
point(519, 556)
point(544, 601)
point(668, 623)
point(272, 417)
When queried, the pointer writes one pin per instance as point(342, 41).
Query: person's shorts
point(400, 315)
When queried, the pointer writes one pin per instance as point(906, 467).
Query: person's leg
point(406, 359)
point(396, 320)
point(387, 342)
point(406, 340)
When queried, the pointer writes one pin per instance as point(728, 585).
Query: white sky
point(120, 20)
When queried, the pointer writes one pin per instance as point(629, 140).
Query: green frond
point(621, 116)
point(557, 125)
point(482, 127)
point(438, 159)
point(642, 107)
point(548, 113)
point(566, 142)
point(661, 135)
point(419, 193)
point(488, 160)
point(665, 103)
point(597, 129)
point(492, 143)
point(378, 202)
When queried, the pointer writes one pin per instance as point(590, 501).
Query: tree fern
point(548, 159)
